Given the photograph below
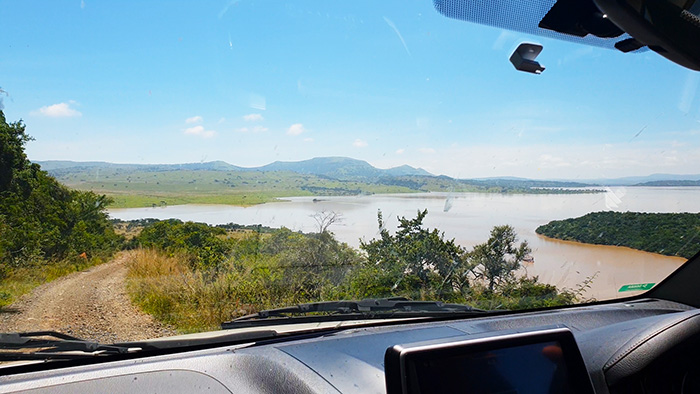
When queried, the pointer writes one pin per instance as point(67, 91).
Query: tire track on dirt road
point(91, 304)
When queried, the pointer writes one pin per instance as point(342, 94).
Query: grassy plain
point(131, 189)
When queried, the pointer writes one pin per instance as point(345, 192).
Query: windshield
point(168, 167)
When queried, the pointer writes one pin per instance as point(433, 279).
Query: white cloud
point(253, 118)
point(400, 151)
point(199, 131)
point(194, 119)
point(427, 150)
point(242, 130)
point(60, 110)
point(194, 130)
point(308, 139)
point(296, 129)
point(359, 143)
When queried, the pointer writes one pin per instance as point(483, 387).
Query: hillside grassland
point(131, 188)
point(145, 189)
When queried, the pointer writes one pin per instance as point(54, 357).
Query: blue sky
point(390, 82)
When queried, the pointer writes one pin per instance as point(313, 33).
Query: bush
point(195, 277)
point(39, 217)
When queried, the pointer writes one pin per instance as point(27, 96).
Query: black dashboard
point(642, 345)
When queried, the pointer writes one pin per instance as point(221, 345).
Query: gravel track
point(90, 304)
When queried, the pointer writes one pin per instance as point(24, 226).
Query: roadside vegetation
point(46, 229)
point(671, 234)
point(195, 276)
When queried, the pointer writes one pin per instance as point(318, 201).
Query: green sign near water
point(636, 287)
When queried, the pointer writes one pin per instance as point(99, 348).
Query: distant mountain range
point(348, 169)
point(342, 168)
point(649, 180)
point(670, 183)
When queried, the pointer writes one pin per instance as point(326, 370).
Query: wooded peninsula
point(671, 234)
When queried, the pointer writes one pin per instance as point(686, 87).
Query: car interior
point(646, 343)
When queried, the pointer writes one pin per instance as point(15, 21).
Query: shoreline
point(680, 259)
point(128, 201)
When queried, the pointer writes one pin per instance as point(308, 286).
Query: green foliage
point(186, 282)
point(420, 263)
point(12, 141)
point(524, 292)
point(671, 234)
point(414, 258)
point(195, 276)
point(304, 264)
point(498, 258)
point(202, 242)
point(39, 217)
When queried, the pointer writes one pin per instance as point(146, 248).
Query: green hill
point(343, 168)
point(138, 188)
point(143, 185)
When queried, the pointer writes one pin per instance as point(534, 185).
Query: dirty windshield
point(170, 166)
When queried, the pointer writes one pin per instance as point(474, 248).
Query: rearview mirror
point(670, 28)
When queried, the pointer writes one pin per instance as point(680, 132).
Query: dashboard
point(643, 345)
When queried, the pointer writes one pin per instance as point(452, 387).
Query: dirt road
point(91, 304)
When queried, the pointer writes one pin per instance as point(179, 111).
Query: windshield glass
point(167, 166)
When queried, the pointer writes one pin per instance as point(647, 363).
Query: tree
point(325, 219)
point(498, 258)
point(203, 243)
point(416, 256)
point(310, 262)
point(12, 157)
point(39, 217)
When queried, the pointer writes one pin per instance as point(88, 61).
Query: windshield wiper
point(373, 308)
point(63, 347)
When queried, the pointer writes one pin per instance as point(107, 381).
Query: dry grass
point(22, 280)
point(192, 300)
point(168, 289)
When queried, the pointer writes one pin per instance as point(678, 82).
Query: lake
point(468, 218)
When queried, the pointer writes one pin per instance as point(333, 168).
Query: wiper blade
point(376, 308)
point(63, 347)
